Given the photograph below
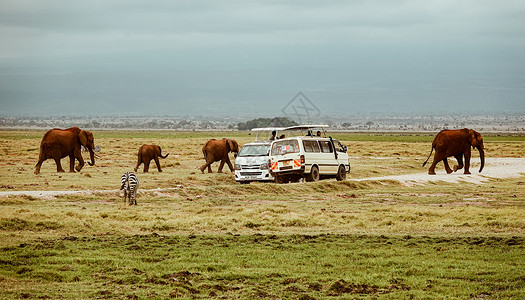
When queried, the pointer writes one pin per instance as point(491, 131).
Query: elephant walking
point(146, 154)
point(456, 143)
point(59, 143)
point(217, 150)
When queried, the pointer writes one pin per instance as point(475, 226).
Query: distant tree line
point(266, 122)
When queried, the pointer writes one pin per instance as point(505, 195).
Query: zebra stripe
point(130, 184)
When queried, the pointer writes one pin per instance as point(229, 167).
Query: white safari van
point(312, 156)
point(251, 164)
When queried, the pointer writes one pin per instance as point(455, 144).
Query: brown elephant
point(217, 150)
point(146, 154)
point(59, 143)
point(456, 143)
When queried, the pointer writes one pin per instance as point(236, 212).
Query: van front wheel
point(314, 175)
point(341, 173)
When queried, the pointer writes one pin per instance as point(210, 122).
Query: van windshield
point(283, 147)
point(254, 150)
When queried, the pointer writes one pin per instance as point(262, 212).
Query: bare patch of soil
point(494, 168)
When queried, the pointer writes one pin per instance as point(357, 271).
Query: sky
point(256, 57)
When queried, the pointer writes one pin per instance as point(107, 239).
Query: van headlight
point(264, 166)
point(237, 166)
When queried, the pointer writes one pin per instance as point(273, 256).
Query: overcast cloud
point(239, 57)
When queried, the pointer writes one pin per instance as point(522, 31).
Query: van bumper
point(288, 172)
point(265, 176)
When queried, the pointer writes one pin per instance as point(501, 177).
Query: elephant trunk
point(92, 156)
point(482, 157)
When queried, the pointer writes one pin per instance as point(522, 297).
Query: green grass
point(322, 266)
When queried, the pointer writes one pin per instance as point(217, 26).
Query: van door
point(312, 154)
point(329, 162)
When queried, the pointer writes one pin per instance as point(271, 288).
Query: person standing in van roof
point(272, 138)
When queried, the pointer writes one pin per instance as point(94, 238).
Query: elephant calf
point(146, 154)
point(217, 150)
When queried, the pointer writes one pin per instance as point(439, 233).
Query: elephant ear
point(230, 145)
point(473, 138)
point(83, 136)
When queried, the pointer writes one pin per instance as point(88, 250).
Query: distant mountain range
point(240, 92)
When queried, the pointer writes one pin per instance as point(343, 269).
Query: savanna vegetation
point(266, 122)
point(196, 235)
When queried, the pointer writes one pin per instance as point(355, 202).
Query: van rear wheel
point(341, 173)
point(314, 175)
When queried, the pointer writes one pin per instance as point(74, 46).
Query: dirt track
point(494, 168)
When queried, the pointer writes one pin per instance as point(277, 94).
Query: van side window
point(326, 146)
point(311, 146)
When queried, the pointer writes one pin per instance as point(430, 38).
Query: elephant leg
point(221, 165)
point(38, 166)
point(72, 163)
point(229, 164)
point(81, 162)
point(146, 166)
point(206, 165)
point(447, 167)
point(59, 165)
point(459, 158)
point(467, 163)
point(157, 162)
point(432, 169)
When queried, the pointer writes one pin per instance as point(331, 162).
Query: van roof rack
point(306, 127)
point(266, 129)
point(309, 128)
point(302, 128)
point(269, 129)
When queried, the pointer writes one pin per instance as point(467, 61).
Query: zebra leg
point(136, 189)
point(130, 194)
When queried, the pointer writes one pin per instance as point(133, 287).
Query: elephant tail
point(204, 152)
point(429, 156)
point(160, 153)
point(44, 149)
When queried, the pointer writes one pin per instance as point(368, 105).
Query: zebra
point(130, 185)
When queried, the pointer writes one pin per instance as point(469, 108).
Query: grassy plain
point(204, 236)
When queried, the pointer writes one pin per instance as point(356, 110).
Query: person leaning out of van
point(273, 137)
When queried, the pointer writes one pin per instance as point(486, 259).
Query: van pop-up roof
point(302, 128)
point(308, 128)
point(268, 130)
